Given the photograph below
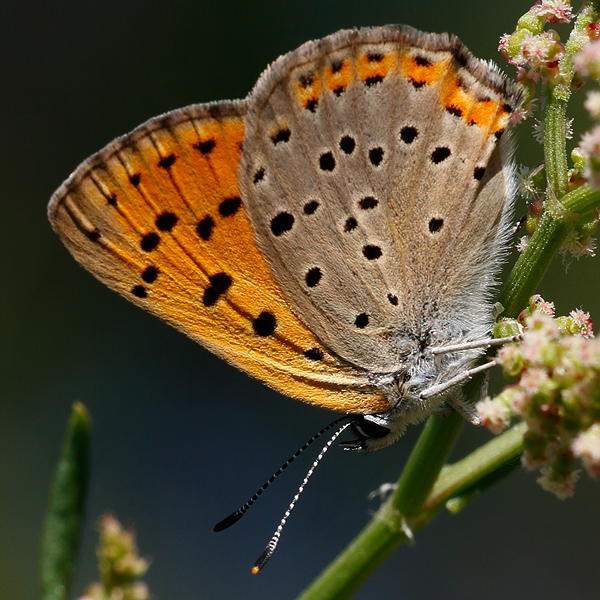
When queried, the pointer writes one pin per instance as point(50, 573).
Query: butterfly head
point(411, 394)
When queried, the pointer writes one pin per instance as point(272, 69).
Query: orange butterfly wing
point(157, 217)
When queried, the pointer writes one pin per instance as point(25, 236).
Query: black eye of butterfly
point(370, 429)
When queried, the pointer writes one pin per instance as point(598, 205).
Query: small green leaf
point(64, 518)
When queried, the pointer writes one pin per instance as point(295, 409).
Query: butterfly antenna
point(263, 559)
point(240, 512)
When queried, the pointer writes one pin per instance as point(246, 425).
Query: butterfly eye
point(366, 431)
point(370, 429)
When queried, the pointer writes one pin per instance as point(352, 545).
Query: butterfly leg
point(465, 409)
point(485, 384)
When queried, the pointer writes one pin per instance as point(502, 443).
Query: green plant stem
point(486, 464)
point(532, 264)
point(542, 247)
point(578, 38)
point(425, 463)
point(65, 514)
point(387, 530)
point(557, 95)
point(581, 201)
point(555, 145)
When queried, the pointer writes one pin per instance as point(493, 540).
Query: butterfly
point(335, 234)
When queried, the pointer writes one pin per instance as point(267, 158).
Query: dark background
point(179, 437)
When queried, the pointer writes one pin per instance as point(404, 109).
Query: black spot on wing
point(139, 291)
point(372, 252)
point(150, 274)
point(314, 354)
point(478, 173)
point(362, 320)
point(440, 154)
point(282, 136)
point(219, 284)
point(327, 162)
point(205, 227)
point(264, 325)
point(167, 162)
point(408, 134)
point(310, 207)
point(347, 144)
point(93, 235)
point(336, 66)
point(373, 80)
point(422, 61)
point(350, 224)
point(259, 175)
point(368, 203)
point(166, 221)
point(205, 147)
point(312, 105)
point(150, 241)
point(230, 206)
point(376, 156)
point(313, 276)
point(435, 225)
point(282, 223)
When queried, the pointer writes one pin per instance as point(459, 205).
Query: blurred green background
point(180, 438)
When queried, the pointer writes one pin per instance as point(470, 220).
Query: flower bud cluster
point(556, 391)
point(560, 67)
point(119, 564)
point(536, 52)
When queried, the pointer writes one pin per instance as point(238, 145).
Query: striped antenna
point(240, 512)
point(263, 559)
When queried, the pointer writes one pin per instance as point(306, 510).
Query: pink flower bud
point(561, 488)
point(587, 447)
point(554, 11)
point(510, 358)
point(494, 414)
point(582, 323)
